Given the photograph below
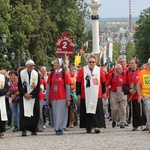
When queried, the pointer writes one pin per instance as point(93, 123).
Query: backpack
point(63, 76)
point(113, 74)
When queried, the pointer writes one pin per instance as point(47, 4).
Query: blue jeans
point(15, 107)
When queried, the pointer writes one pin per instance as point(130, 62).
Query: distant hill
point(134, 19)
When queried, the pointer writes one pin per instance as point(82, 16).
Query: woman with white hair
point(58, 94)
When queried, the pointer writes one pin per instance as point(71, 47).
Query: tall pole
point(130, 16)
point(94, 5)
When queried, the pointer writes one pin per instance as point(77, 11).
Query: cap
point(30, 63)
point(148, 61)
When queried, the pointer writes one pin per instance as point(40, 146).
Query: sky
point(120, 8)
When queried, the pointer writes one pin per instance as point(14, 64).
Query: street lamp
point(23, 55)
point(3, 48)
point(4, 38)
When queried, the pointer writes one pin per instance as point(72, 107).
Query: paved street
point(77, 139)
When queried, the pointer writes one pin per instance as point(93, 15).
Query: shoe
point(33, 133)
point(122, 126)
point(65, 129)
point(44, 127)
point(39, 130)
point(135, 129)
point(96, 130)
point(59, 132)
point(128, 122)
point(88, 130)
point(126, 125)
point(24, 133)
point(110, 119)
point(71, 126)
point(15, 129)
point(1, 135)
point(113, 124)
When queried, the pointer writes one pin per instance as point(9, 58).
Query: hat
point(30, 63)
point(148, 61)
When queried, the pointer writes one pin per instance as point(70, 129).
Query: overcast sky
point(120, 8)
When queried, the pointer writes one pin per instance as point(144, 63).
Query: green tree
point(130, 50)
point(116, 51)
point(4, 29)
point(142, 36)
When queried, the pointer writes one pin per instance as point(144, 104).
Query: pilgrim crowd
point(67, 96)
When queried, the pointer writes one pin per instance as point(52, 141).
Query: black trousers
point(138, 119)
point(92, 120)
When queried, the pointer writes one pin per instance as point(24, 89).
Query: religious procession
point(83, 96)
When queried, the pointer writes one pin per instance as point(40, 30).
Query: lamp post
point(3, 48)
point(3, 51)
point(18, 61)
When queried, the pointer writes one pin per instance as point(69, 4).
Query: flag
point(101, 48)
point(77, 60)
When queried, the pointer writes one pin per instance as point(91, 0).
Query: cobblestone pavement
point(76, 139)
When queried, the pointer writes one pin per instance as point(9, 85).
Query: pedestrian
point(29, 87)
point(15, 99)
point(3, 113)
point(58, 94)
point(117, 98)
point(41, 102)
point(143, 89)
point(130, 88)
point(90, 88)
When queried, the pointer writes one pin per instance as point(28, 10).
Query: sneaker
point(122, 126)
point(113, 124)
point(96, 130)
point(33, 133)
point(59, 132)
point(71, 126)
point(65, 129)
point(88, 130)
point(126, 124)
point(39, 130)
point(135, 129)
point(44, 126)
point(1, 135)
point(145, 129)
point(24, 133)
point(15, 129)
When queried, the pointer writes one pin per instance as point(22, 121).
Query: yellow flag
point(77, 60)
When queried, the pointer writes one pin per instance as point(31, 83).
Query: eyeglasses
point(91, 62)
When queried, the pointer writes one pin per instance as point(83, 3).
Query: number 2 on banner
point(65, 45)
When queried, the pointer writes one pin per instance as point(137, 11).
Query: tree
point(4, 29)
point(142, 36)
point(130, 50)
point(116, 51)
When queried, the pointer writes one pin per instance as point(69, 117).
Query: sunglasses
point(91, 62)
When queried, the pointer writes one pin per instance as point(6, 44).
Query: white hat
point(148, 61)
point(30, 63)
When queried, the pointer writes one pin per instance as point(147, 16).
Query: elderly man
point(90, 85)
point(143, 89)
point(117, 97)
point(29, 86)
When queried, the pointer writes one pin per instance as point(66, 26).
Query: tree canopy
point(142, 36)
point(32, 27)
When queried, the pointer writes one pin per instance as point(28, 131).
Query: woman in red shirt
point(58, 94)
point(15, 99)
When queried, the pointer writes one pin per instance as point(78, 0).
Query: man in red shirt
point(130, 84)
point(90, 85)
point(117, 98)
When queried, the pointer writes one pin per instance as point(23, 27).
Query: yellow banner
point(77, 60)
